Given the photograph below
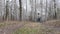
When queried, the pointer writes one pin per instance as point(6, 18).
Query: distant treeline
point(30, 10)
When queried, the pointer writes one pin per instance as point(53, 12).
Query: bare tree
point(26, 10)
point(7, 10)
point(55, 15)
point(50, 10)
point(41, 7)
point(46, 11)
point(35, 12)
point(20, 2)
point(31, 2)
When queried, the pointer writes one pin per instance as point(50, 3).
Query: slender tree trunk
point(50, 11)
point(7, 11)
point(55, 15)
point(31, 14)
point(46, 11)
point(20, 2)
point(35, 12)
point(41, 7)
point(26, 11)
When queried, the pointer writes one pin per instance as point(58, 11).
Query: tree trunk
point(46, 11)
point(20, 2)
point(41, 7)
point(55, 14)
point(7, 11)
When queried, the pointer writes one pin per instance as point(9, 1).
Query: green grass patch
point(34, 30)
point(2, 24)
point(7, 24)
point(26, 31)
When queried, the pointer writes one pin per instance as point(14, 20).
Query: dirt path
point(10, 28)
point(53, 24)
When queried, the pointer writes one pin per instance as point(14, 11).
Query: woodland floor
point(49, 27)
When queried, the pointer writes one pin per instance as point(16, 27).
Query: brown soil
point(13, 25)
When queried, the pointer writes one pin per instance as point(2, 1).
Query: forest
point(29, 10)
point(29, 16)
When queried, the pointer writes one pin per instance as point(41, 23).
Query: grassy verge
point(25, 31)
point(3, 24)
point(38, 29)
